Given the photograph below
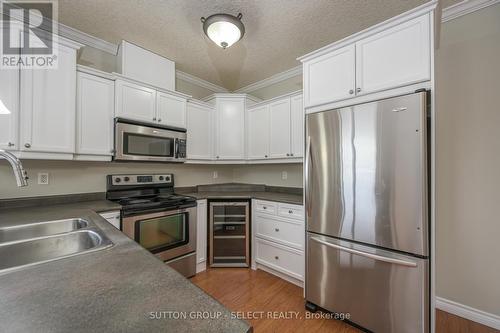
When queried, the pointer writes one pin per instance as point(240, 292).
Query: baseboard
point(201, 266)
point(467, 312)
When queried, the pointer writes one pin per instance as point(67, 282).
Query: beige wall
point(269, 174)
point(278, 89)
point(468, 161)
point(82, 177)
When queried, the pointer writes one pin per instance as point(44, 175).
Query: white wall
point(468, 161)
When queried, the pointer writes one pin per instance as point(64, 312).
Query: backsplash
point(69, 177)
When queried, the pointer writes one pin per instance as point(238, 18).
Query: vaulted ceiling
point(277, 31)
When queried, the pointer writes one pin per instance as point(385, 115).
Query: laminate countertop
point(295, 199)
point(123, 288)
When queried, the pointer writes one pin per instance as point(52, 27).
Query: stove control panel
point(141, 179)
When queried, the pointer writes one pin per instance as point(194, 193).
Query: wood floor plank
point(246, 290)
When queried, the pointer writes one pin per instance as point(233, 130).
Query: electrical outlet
point(284, 175)
point(43, 178)
point(215, 175)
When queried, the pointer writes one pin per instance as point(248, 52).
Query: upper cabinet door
point(279, 137)
point(94, 113)
point(199, 132)
point(230, 129)
point(297, 117)
point(171, 110)
point(395, 57)
point(48, 106)
point(135, 102)
point(9, 109)
point(330, 77)
point(258, 132)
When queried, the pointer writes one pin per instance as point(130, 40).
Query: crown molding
point(199, 82)
point(276, 78)
point(87, 40)
point(465, 7)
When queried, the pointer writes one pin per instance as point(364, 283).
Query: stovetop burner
point(146, 193)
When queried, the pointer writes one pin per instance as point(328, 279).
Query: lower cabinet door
point(381, 291)
point(281, 258)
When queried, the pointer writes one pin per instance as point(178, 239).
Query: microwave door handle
point(176, 148)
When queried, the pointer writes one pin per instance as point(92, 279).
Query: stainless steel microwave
point(137, 141)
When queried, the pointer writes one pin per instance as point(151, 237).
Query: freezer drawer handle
point(368, 255)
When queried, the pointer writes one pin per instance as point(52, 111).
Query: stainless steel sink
point(34, 230)
point(23, 253)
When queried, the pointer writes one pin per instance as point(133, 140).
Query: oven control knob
point(117, 180)
point(161, 178)
point(126, 179)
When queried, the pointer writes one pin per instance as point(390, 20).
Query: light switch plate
point(215, 175)
point(284, 175)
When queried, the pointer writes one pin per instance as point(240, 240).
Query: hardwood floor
point(246, 290)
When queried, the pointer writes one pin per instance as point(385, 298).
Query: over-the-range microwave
point(138, 141)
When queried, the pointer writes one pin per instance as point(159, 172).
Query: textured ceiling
point(277, 31)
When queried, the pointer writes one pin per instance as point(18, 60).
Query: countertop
point(296, 199)
point(118, 289)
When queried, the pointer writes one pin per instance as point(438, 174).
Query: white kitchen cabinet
point(279, 124)
point(394, 57)
point(297, 126)
point(201, 236)
point(230, 129)
point(278, 234)
point(48, 106)
point(199, 131)
point(330, 77)
point(258, 132)
point(134, 101)
point(9, 109)
point(94, 110)
point(170, 110)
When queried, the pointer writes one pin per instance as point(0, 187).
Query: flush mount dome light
point(223, 29)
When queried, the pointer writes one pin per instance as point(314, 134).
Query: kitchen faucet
point(17, 167)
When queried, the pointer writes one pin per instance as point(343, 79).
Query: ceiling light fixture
point(223, 29)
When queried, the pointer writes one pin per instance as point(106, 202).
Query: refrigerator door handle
point(367, 255)
point(306, 183)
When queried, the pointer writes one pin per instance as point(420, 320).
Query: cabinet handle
point(265, 156)
point(276, 257)
point(216, 156)
point(154, 119)
point(351, 92)
point(287, 154)
point(290, 212)
point(291, 154)
point(27, 145)
point(264, 207)
point(10, 144)
point(276, 229)
point(358, 89)
point(159, 120)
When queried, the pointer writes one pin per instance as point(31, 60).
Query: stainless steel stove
point(158, 219)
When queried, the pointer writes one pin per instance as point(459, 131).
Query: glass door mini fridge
point(229, 225)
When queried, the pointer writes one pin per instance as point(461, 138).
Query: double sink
point(36, 243)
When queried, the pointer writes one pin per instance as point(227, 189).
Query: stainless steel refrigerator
point(366, 190)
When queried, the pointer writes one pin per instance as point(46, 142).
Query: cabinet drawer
point(280, 258)
point(266, 207)
point(291, 211)
point(273, 229)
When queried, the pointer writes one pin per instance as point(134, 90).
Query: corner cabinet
point(94, 116)
point(200, 118)
point(144, 103)
point(391, 55)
